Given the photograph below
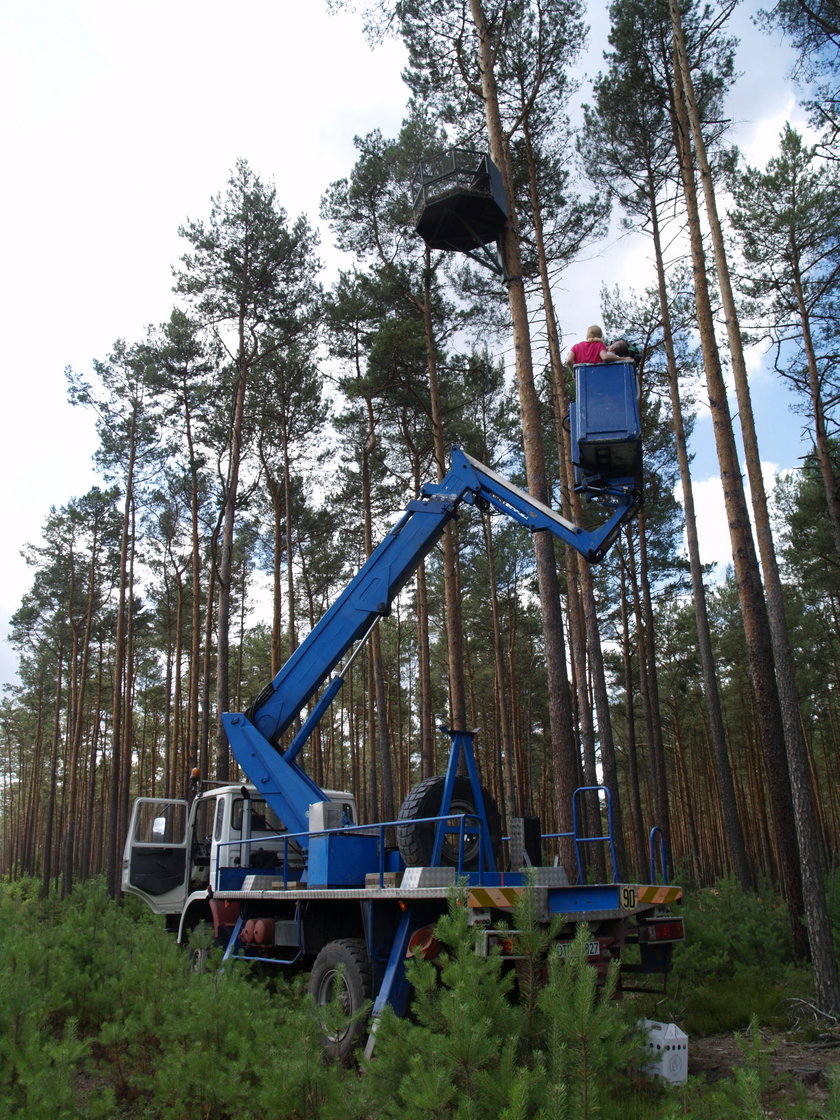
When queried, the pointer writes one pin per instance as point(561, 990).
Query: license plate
point(564, 948)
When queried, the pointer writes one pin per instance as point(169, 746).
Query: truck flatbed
point(594, 901)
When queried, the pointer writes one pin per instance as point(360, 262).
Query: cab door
point(156, 857)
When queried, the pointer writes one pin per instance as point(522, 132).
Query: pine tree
point(787, 218)
point(370, 213)
point(819, 928)
point(126, 423)
point(813, 26)
point(631, 127)
point(250, 279)
point(182, 376)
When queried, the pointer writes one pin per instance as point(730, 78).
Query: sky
point(122, 119)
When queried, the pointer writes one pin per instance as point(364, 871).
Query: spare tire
point(416, 841)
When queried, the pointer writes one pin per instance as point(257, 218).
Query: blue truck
point(283, 871)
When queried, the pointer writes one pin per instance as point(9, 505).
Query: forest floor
point(796, 1065)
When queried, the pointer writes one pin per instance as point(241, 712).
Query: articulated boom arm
point(530, 512)
point(254, 737)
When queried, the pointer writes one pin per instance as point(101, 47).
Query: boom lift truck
point(280, 867)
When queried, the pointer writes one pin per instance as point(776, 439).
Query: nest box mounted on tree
point(459, 201)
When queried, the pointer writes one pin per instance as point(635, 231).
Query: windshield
point(263, 817)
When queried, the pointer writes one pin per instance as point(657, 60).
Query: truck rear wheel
point(342, 980)
point(416, 841)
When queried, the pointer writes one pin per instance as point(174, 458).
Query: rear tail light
point(669, 929)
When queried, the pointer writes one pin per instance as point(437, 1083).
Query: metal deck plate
point(592, 901)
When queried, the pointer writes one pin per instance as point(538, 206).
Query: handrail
point(610, 835)
point(663, 853)
point(367, 829)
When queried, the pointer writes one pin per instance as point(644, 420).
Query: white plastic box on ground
point(668, 1047)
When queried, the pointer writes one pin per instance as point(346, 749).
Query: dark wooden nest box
point(459, 201)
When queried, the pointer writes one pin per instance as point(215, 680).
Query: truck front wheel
point(199, 944)
point(341, 983)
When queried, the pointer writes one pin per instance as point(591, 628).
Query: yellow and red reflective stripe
point(486, 898)
point(658, 896)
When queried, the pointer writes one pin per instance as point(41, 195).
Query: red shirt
point(588, 351)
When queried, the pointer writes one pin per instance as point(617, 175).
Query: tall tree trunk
point(181, 754)
point(425, 714)
point(289, 518)
point(826, 976)
point(204, 741)
point(169, 750)
point(585, 637)
point(275, 491)
point(563, 744)
point(114, 853)
point(424, 677)
point(380, 748)
point(686, 800)
point(501, 686)
point(732, 822)
point(32, 812)
point(657, 744)
point(639, 845)
point(653, 731)
point(47, 865)
point(745, 562)
point(225, 572)
point(449, 543)
point(130, 681)
point(90, 799)
point(821, 440)
point(192, 729)
point(77, 726)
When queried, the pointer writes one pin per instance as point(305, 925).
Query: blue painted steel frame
point(287, 789)
point(462, 746)
point(394, 986)
point(235, 950)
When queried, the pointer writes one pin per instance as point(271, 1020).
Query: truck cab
point(177, 853)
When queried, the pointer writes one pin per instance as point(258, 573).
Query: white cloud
point(762, 140)
point(759, 139)
point(121, 121)
point(712, 525)
point(712, 522)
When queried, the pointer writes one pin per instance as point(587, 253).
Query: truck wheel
point(342, 977)
point(416, 841)
point(200, 942)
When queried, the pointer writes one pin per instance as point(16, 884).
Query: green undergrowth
point(100, 1016)
point(736, 965)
